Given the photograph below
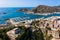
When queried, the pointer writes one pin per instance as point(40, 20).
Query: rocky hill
point(23, 10)
point(46, 9)
point(42, 9)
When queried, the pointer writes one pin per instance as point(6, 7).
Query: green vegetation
point(49, 37)
point(39, 35)
point(3, 35)
point(46, 35)
point(23, 28)
point(26, 34)
point(48, 28)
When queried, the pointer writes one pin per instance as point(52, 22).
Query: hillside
point(46, 9)
point(23, 10)
point(41, 9)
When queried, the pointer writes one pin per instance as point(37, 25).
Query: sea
point(11, 12)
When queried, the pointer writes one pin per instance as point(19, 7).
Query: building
point(13, 34)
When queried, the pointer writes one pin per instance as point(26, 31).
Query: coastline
point(43, 13)
point(26, 21)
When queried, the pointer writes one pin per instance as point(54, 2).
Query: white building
point(13, 34)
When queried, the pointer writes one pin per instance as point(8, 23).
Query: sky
point(28, 3)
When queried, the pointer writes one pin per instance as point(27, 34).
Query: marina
point(11, 13)
point(21, 16)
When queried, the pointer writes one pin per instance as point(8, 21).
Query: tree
point(48, 37)
point(48, 28)
point(3, 35)
point(26, 35)
point(39, 35)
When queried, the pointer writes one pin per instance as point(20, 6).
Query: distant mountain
point(23, 10)
point(57, 6)
point(42, 9)
point(46, 9)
